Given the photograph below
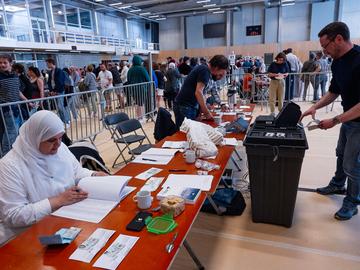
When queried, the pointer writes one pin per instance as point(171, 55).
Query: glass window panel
point(85, 19)
point(58, 12)
point(17, 17)
point(72, 16)
point(36, 8)
point(2, 25)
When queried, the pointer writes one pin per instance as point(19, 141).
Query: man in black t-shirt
point(335, 41)
point(190, 102)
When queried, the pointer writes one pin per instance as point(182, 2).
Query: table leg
point(213, 204)
point(193, 255)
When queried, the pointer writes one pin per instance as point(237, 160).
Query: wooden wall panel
point(301, 49)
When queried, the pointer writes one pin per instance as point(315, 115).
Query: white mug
point(189, 156)
point(143, 199)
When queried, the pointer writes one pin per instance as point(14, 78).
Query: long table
point(26, 252)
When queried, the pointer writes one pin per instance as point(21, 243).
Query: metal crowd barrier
point(248, 87)
point(81, 112)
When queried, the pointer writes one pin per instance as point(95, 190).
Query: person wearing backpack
point(117, 84)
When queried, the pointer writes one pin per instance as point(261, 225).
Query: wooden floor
point(315, 241)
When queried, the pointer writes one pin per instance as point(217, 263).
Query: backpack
point(229, 201)
point(82, 86)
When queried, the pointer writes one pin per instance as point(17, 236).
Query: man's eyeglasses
point(324, 47)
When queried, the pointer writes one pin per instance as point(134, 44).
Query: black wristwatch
point(336, 120)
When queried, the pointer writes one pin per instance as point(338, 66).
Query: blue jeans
point(63, 113)
point(182, 111)
point(320, 80)
point(9, 130)
point(348, 161)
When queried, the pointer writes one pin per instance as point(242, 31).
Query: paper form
point(148, 173)
point(202, 182)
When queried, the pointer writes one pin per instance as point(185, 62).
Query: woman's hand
point(70, 196)
point(99, 174)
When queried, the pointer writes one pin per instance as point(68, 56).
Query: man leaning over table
point(190, 102)
point(335, 41)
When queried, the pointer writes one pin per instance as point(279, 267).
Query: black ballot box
point(275, 155)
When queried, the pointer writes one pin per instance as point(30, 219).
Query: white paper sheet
point(151, 159)
point(244, 107)
point(104, 187)
point(229, 113)
point(91, 246)
point(152, 184)
point(117, 251)
point(148, 173)
point(202, 182)
point(160, 152)
point(175, 144)
point(230, 141)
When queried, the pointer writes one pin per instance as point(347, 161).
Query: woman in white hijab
point(38, 175)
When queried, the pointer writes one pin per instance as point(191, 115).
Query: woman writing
point(38, 175)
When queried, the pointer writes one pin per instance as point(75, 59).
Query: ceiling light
point(213, 9)
point(209, 5)
point(115, 4)
point(135, 10)
point(99, 0)
point(160, 19)
point(23, 49)
point(203, 1)
point(51, 50)
point(60, 12)
point(218, 12)
point(145, 13)
point(287, 2)
point(154, 16)
point(124, 7)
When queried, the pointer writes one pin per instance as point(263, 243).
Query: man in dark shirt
point(335, 41)
point(56, 84)
point(190, 101)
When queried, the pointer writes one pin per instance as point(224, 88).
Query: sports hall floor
point(315, 241)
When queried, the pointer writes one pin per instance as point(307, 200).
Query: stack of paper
point(230, 141)
point(202, 182)
point(160, 156)
point(175, 144)
point(105, 193)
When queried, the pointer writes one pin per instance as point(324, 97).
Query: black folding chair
point(128, 133)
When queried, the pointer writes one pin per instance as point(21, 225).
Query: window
point(72, 16)
point(85, 19)
point(59, 14)
point(36, 8)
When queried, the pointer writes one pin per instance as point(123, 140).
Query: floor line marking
point(282, 245)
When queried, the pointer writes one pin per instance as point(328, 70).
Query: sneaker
point(331, 189)
point(347, 211)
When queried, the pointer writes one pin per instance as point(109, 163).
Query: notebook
point(105, 192)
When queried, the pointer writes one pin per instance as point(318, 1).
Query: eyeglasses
point(324, 47)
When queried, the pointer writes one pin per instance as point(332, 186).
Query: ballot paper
point(176, 144)
point(314, 124)
point(229, 113)
point(105, 192)
point(202, 182)
point(152, 184)
point(230, 141)
point(118, 250)
point(91, 246)
point(148, 173)
point(244, 107)
point(159, 156)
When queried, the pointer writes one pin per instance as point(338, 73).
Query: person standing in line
point(90, 82)
point(37, 84)
point(171, 84)
point(335, 41)
point(321, 79)
point(106, 82)
point(294, 65)
point(56, 85)
point(10, 87)
point(190, 101)
point(117, 84)
point(278, 71)
point(137, 74)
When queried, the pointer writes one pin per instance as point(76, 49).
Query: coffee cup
point(189, 156)
point(143, 199)
point(217, 119)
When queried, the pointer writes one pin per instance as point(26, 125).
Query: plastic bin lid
point(162, 224)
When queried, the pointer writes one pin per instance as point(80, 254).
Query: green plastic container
point(161, 225)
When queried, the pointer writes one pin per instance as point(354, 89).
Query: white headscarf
point(172, 65)
point(54, 170)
